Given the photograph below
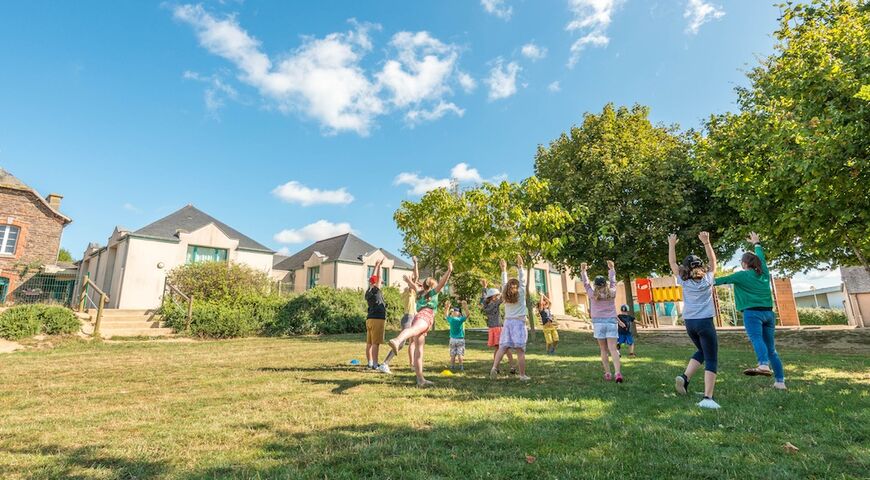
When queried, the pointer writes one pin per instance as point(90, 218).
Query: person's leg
point(617, 365)
point(768, 332)
point(605, 361)
point(510, 358)
point(420, 326)
point(375, 351)
point(710, 345)
point(369, 354)
point(555, 339)
point(521, 361)
point(498, 354)
point(418, 359)
point(412, 353)
point(752, 320)
point(698, 357)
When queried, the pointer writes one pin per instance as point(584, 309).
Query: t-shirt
point(546, 316)
point(626, 319)
point(491, 310)
point(428, 300)
point(698, 297)
point(751, 290)
point(457, 326)
point(409, 300)
point(515, 311)
point(601, 308)
point(377, 305)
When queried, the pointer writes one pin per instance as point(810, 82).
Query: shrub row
point(24, 321)
point(822, 316)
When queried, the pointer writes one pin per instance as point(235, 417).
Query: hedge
point(24, 321)
point(822, 316)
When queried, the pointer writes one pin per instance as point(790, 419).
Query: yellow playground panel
point(667, 294)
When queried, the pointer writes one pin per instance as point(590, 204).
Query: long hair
point(752, 262)
point(603, 292)
point(428, 285)
point(512, 291)
point(692, 268)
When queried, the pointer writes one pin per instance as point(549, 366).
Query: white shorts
point(604, 328)
point(457, 347)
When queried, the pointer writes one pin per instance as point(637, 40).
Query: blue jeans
point(760, 327)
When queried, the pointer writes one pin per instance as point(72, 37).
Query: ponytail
point(752, 262)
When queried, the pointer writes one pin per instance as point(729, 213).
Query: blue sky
point(295, 120)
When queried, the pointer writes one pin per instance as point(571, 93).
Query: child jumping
point(427, 304)
point(603, 312)
point(698, 312)
point(490, 303)
point(376, 318)
point(409, 301)
point(551, 335)
point(456, 318)
point(513, 334)
point(625, 320)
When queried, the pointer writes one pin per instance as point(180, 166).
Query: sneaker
point(607, 376)
point(708, 403)
point(384, 368)
point(525, 378)
point(780, 386)
point(493, 374)
point(513, 371)
point(680, 384)
point(618, 378)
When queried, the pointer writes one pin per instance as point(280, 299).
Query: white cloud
point(502, 80)
point(591, 17)
point(215, 93)
point(417, 116)
point(313, 232)
point(131, 208)
point(533, 52)
point(283, 251)
point(554, 87)
point(699, 12)
point(497, 8)
point(467, 82)
point(802, 282)
point(323, 78)
point(295, 192)
point(460, 173)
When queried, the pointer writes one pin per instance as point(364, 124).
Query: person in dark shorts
point(625, 320)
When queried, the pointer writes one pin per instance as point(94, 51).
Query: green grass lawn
point(295, 408)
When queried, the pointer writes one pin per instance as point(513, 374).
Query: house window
point(541, 281)
point(385, 276)
point(8, 239)
point(197, 254)
point(4, 289)
point(313, 276)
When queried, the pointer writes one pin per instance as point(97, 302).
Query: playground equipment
point(662, 290)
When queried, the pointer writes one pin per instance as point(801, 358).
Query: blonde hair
point(603, 293)
point(512, 291)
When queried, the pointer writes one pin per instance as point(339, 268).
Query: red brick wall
point(786, 307)
point(39, 237)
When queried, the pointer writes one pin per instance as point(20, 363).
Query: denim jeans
point(703, 335)
point(760, 327)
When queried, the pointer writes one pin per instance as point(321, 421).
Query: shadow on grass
point(85, 462)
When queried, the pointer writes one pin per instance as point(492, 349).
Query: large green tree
point(637, 181)
point(795, 161)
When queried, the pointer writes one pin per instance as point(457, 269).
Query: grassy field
point(295, 408)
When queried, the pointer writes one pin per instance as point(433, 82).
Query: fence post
point(83, 298)
point(189, 313)
point(99, 316)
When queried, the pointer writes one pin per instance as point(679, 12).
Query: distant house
point(830, 297)
point(132, 267)
point(30, 230)
point(345, 261)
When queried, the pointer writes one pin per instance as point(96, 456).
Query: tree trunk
point(629, 296)
point(858, 253)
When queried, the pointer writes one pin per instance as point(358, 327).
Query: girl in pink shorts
point(427, 304)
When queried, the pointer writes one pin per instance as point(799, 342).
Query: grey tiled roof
point(189, 219)
point(345, 248)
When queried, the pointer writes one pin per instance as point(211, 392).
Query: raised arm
point(416, 274)
point(447, 306)
point(584, 277)
point(708, 248)
point(521, 274)
point(672, 254)
point(756, 240)
point(611, 274)
point(504, 276)
point(446, 277)
point(464, 305)
point(411, 283)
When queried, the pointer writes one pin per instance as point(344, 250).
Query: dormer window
point(197, 254)
point(8, 239)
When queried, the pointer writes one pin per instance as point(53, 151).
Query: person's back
point(377, 306)
point(751, 287)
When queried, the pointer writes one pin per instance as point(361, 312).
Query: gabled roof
point(190, 219)
point(7, 180)
point(344, 248)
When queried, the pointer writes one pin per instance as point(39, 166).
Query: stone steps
point(128, 323)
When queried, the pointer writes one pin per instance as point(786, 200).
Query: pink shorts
point(425, 317)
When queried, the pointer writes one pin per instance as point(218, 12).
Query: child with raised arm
point(376, 318)
point(602, 294)
point(409, 301)
point(513, 334)
point(456, 318)
point(551, 335)
point(427, 304)
point(698, 312)
point(490, 303)
point(752, 296)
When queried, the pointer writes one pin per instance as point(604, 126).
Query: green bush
point(24, 321)
point(244, 316)
point(322, 310)
point(219, 281)
point(822, 316)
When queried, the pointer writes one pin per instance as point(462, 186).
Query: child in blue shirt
point(456, 318)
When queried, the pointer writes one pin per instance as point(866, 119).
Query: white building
point(132, 267)
point(829, 297)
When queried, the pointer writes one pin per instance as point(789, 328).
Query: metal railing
point(85, 297)
point(171, 293)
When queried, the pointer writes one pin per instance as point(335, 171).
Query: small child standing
point(551, 335)
point(456, 318)
point(625, 336)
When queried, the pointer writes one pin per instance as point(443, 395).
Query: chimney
point(53, 200)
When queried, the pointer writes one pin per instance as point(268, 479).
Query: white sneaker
point(708, 403)
point(680, 385)
point(384, 368)
point(525, 378)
